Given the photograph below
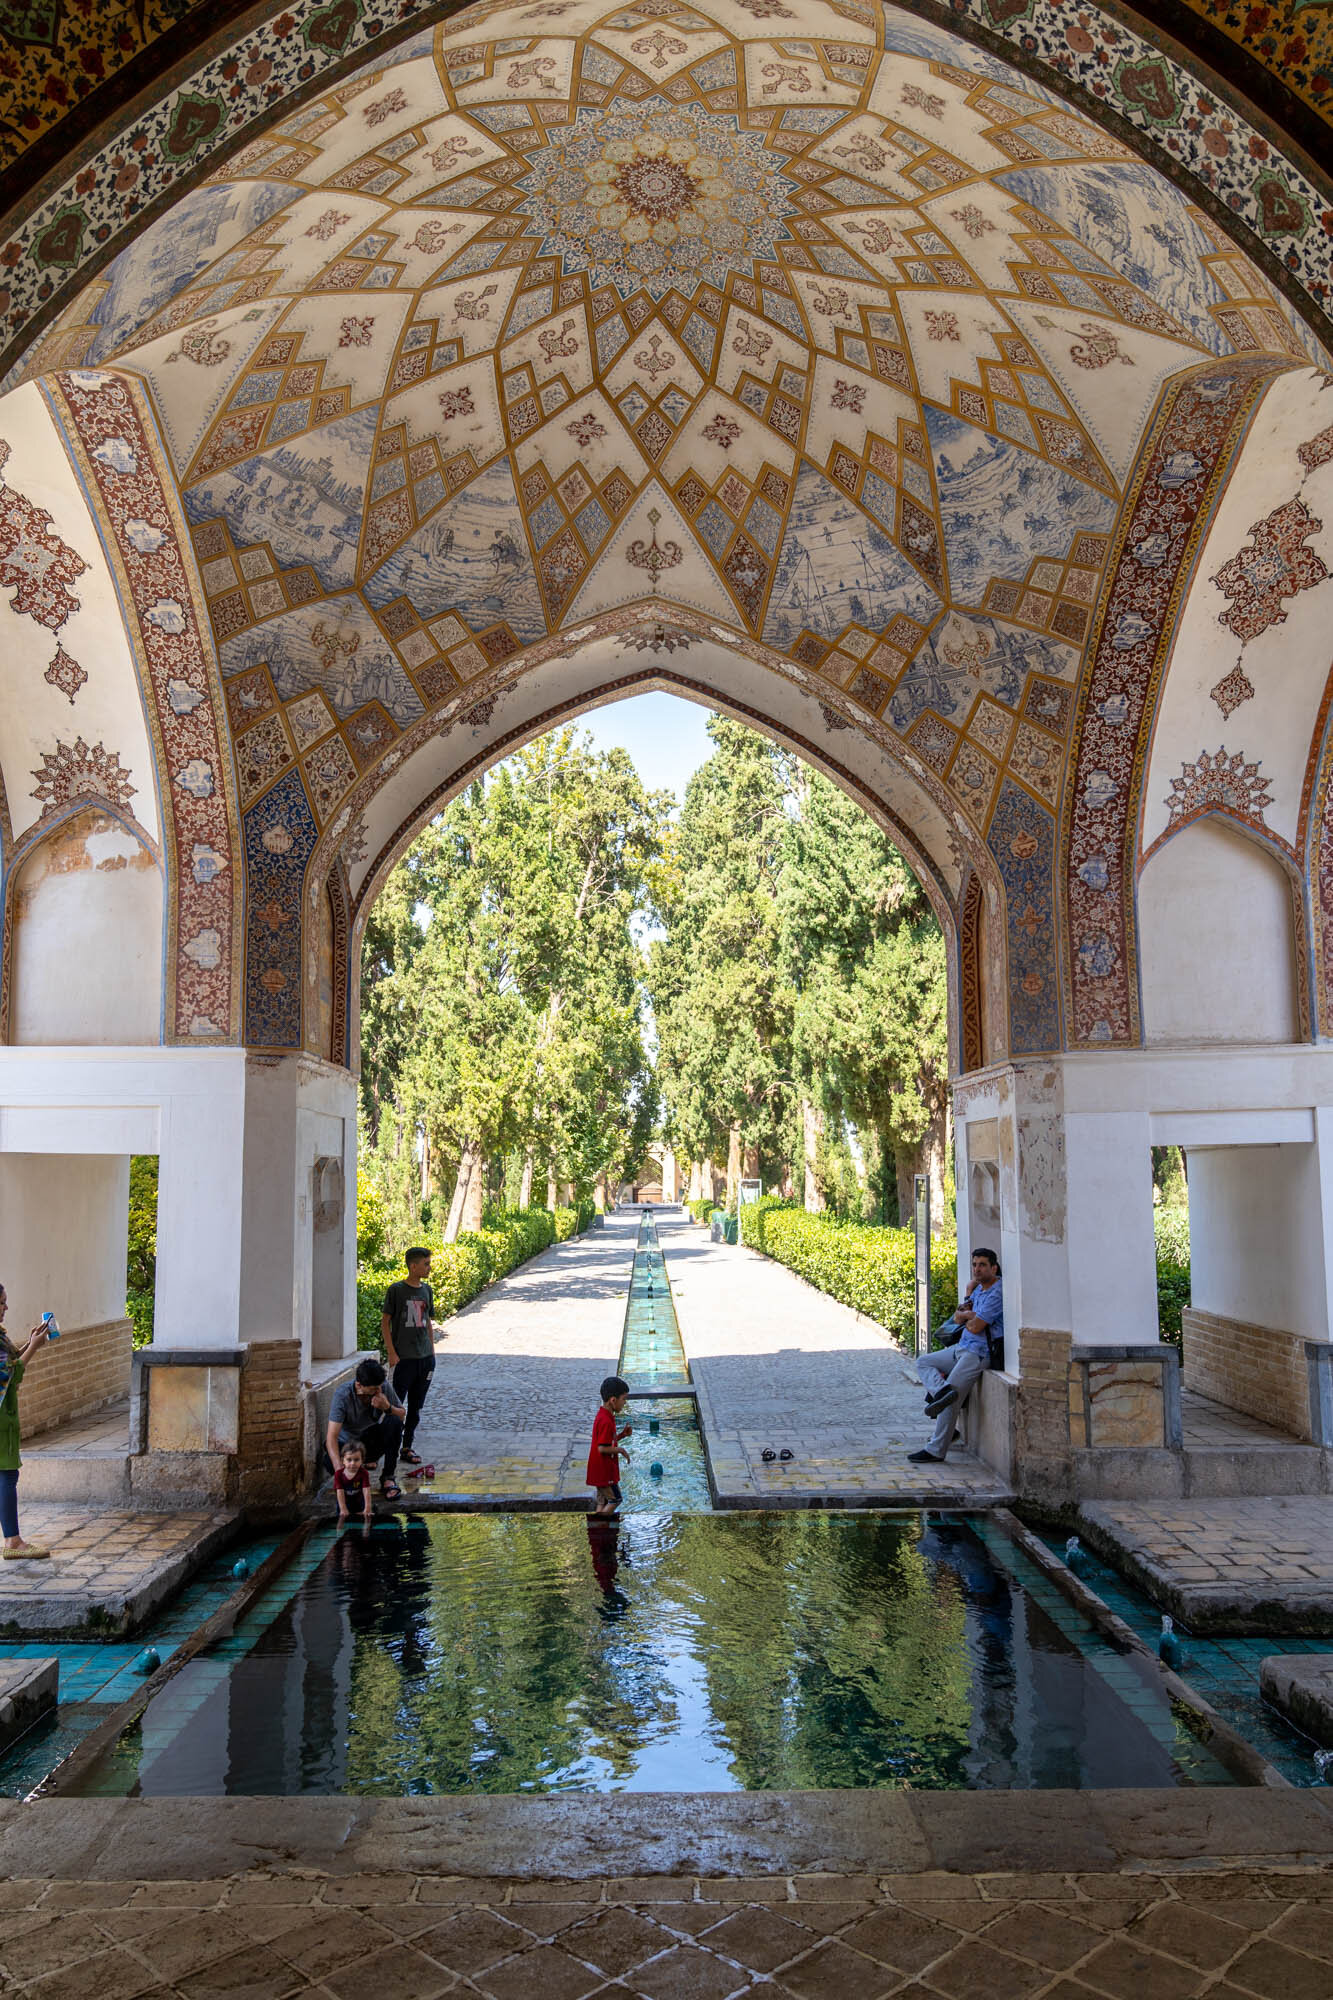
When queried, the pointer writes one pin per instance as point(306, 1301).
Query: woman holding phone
point(13, 1360)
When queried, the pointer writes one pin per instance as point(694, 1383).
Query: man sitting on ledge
point(975, 1334)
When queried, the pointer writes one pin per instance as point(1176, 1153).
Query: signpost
point(921, 1228)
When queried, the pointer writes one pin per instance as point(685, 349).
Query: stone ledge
point(580, 1838)
point(28, 1690)
point(1301, 1686)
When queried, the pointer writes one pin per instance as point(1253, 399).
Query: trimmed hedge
point(459, 1270)
point(701, 1210)
point(872, 1270)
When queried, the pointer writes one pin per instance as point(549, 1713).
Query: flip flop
point(784, 1454)
point(428, 1472)
point(768, 1455)
point(390, 1490)
point(409, 1458)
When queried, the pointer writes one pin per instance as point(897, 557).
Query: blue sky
point(664, 735)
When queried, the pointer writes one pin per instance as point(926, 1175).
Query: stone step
point(55, 1475)
point(1225, 1471)
point(147, 1478)
point(28, 1691)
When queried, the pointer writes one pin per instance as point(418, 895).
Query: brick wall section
point(1042, 1462)
point(272, 1423)
point(1257, 1369)
point(88, 1367)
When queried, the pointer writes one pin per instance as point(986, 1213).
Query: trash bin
point(730, 1229)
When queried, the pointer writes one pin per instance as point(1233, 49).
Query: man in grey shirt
point(364, 1410)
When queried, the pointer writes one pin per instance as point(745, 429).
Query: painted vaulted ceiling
point(835, 338)
point(847, 344)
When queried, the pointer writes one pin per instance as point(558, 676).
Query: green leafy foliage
point(871, 1269)
point(462, 1269)
point(501, 989)
point(1171, 1227)
point(799, 986)
point(141, 1250)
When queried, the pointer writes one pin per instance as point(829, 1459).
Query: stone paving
point(1244, 1935)
point(510, 1410)
point(109, 1568)
point(1249, 1565)
point(777, 1364)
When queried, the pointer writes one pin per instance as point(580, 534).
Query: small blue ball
point(240, 1569)
point(655, 1469)
point(148, 1661)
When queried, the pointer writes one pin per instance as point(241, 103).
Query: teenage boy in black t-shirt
point(407, 1329)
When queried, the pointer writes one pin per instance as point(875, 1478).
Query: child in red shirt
point(608, 1449)
point(352, 1476)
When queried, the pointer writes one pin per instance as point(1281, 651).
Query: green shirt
point(9, 1421)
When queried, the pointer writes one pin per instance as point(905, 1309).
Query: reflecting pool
point(545, 1653)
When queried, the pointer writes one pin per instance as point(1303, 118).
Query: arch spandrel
point(907, 802)
point(838, 351)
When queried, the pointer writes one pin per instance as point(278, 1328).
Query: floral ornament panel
point(1181, 472)
point(1217, 782)
point(163, 609)
point(280, 835)
point(1274, 565)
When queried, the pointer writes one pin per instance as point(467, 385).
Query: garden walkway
point(778, 1364)
point(516, 1376)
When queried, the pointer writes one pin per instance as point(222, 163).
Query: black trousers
point(411, 1380)
point(384, 1440)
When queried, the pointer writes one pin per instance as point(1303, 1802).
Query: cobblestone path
point(779, 1364)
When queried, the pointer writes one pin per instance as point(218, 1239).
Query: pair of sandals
point(417, 1468)
point(768, 1455)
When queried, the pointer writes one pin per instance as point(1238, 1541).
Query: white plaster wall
point(1215, 941)
point(1256, 1236)
point(64, 1223)
point(87, 954)
point(36, 717)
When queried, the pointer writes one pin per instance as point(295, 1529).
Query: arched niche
point(1216, 940)
point(86, 907)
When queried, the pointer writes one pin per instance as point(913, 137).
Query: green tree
point(501, 983)
point(721, 1004)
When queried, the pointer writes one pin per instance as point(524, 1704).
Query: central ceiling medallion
point(658, 197)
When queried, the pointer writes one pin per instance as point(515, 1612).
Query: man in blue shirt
point(970, 1335)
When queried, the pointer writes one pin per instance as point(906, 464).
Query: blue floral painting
point(1002, 506)
point(837, 568)
point(471, 558)
point(305, 497)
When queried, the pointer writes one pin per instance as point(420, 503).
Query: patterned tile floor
point(1233, 1935)
point(1211, 1560)
point(104, 1434)
point(104, 1563)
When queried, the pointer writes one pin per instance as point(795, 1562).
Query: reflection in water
point(512, 1653)
point(604, 1548)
